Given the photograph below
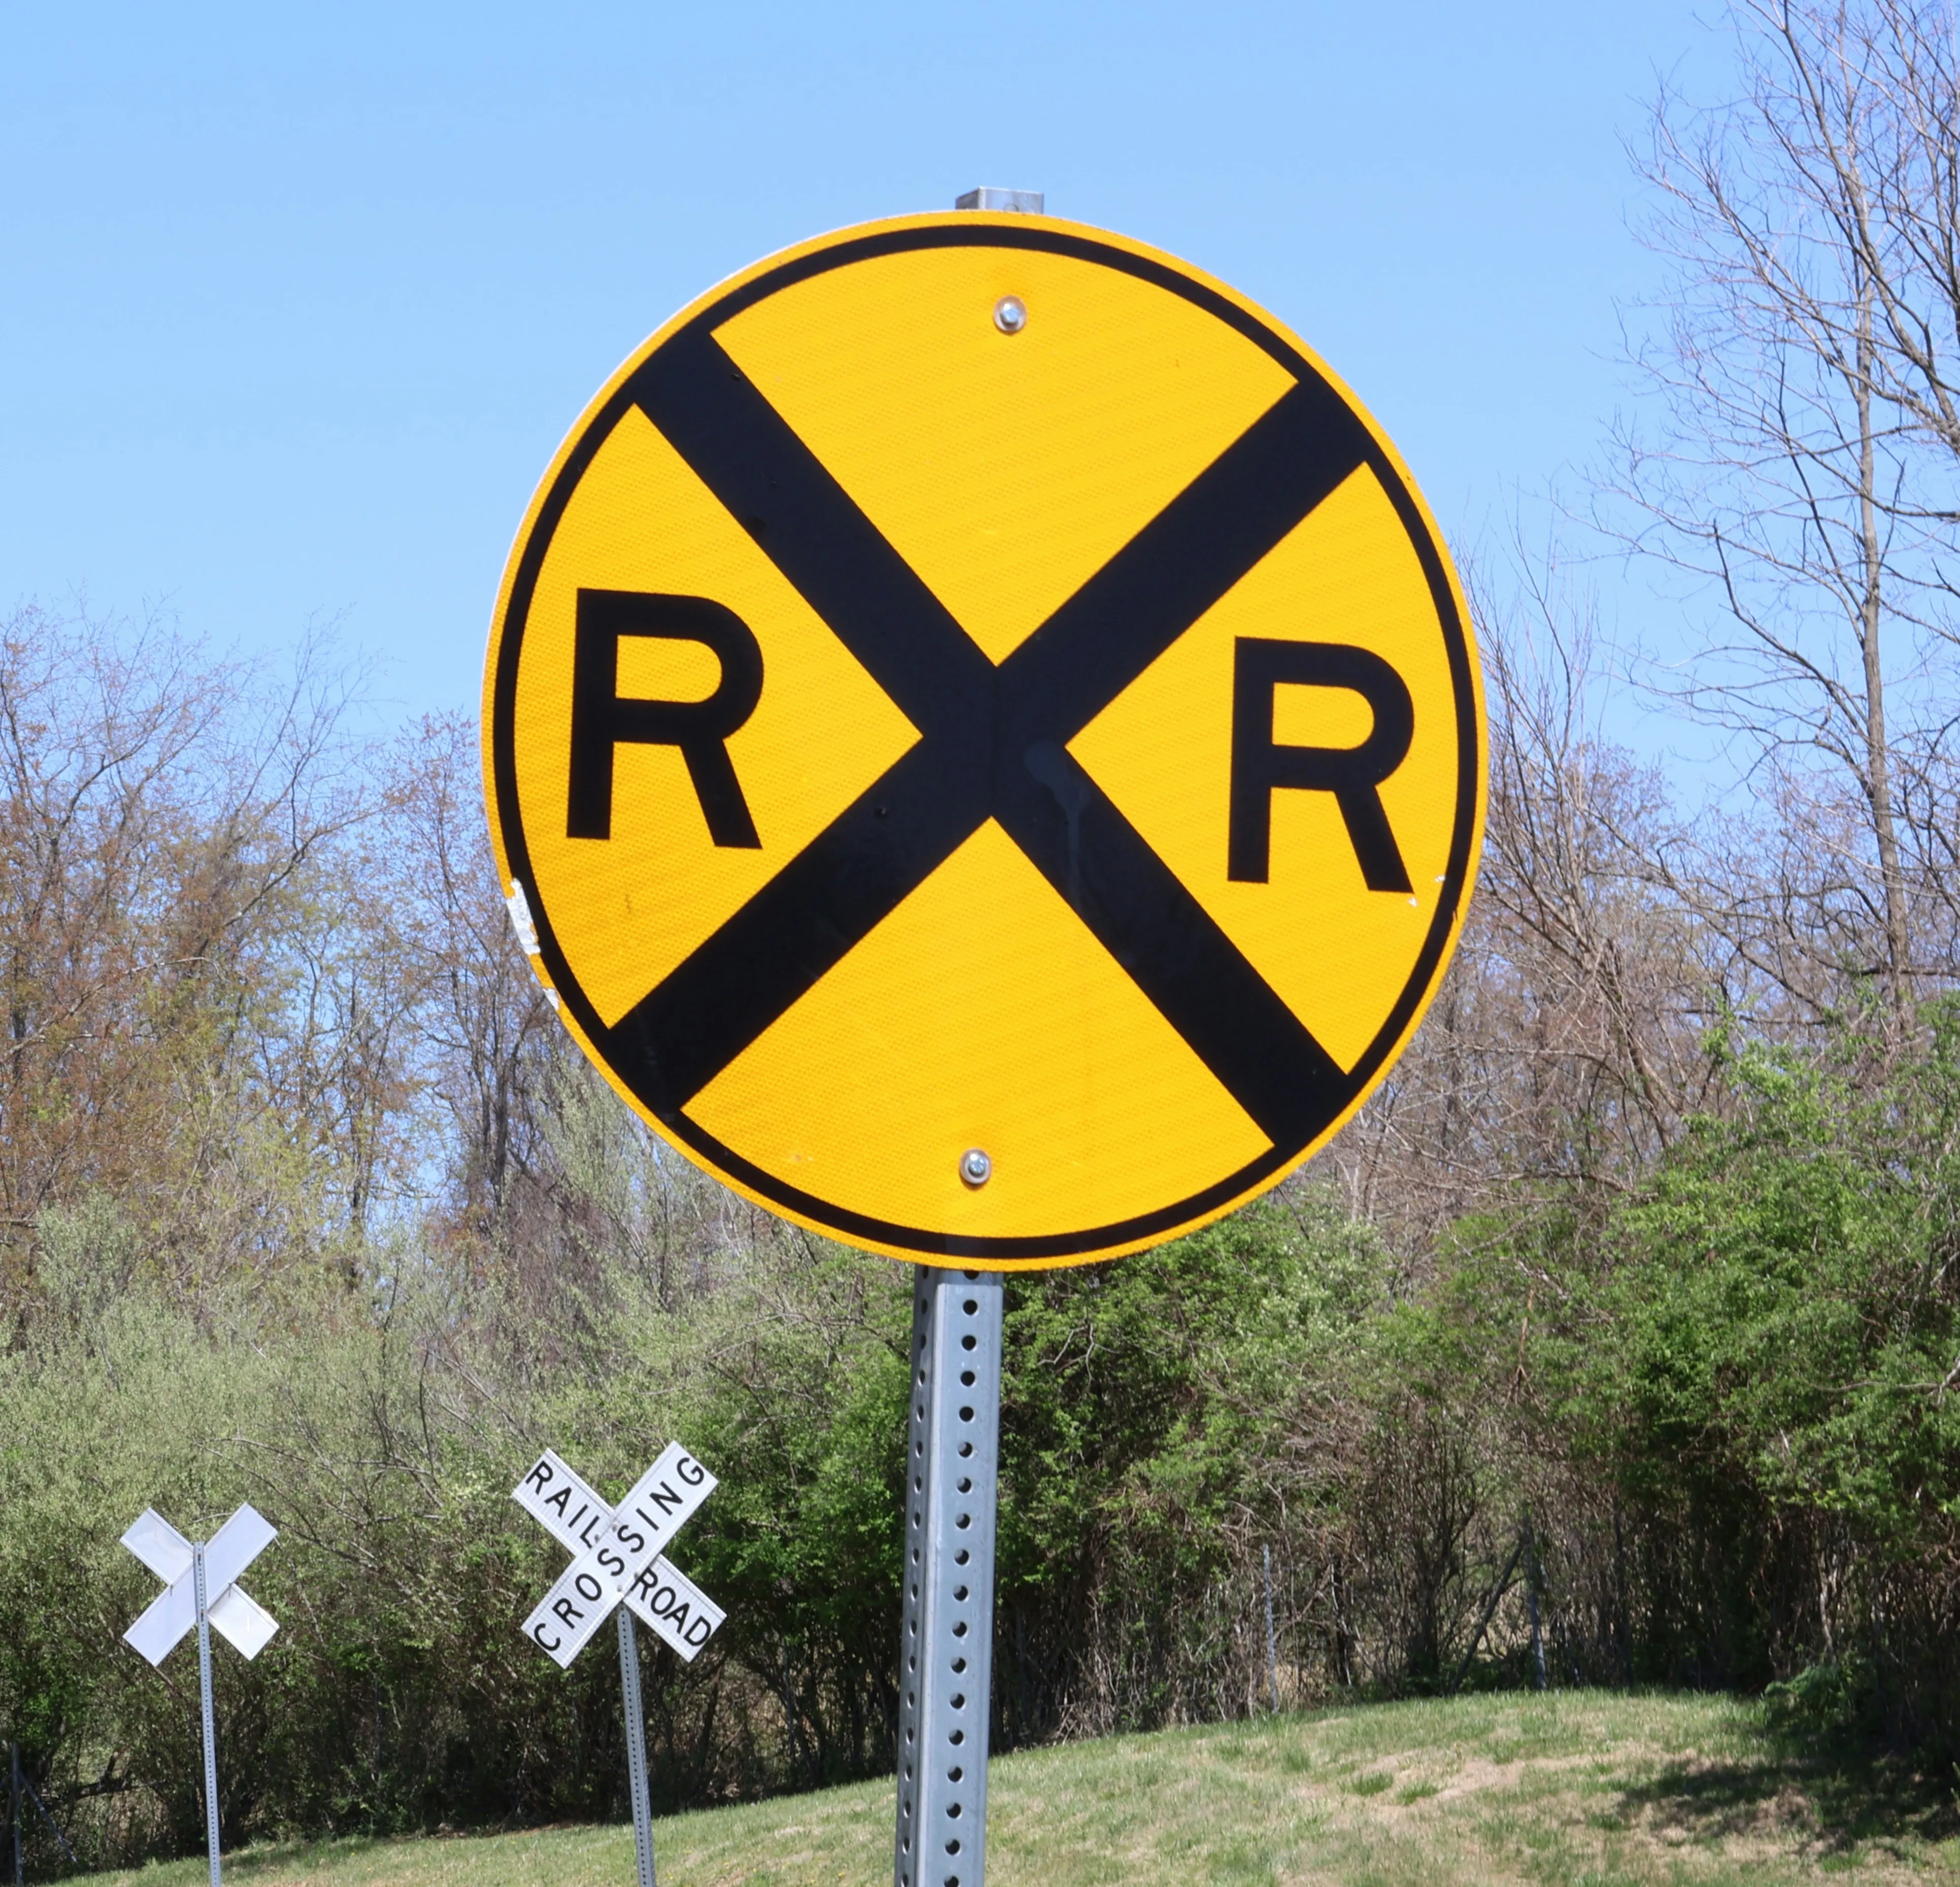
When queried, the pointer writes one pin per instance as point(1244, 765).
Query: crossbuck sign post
point(191, 1571)
point(616, 1558)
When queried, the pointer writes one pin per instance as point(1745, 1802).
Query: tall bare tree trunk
point(1878, 760)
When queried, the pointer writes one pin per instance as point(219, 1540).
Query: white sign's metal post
point(210, 1722)
point(636, 1748)
point(946, 1643)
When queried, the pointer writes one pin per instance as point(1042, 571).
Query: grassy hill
point(1567, 1788)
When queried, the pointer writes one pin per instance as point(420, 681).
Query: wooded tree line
point(1617, 1341)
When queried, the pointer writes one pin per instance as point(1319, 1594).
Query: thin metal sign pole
point(210, 1722)
point(636, 1747)
point(20, 1869)
point(945, 1641)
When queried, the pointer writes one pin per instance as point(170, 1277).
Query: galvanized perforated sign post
point(946, 1638)
point(617, 1567)
point(192, 1572)
point(985, 747)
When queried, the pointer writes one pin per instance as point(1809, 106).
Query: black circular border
point(1086, 1244)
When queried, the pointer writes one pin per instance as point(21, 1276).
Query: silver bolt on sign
point(617, 1565)
point(193, 1570)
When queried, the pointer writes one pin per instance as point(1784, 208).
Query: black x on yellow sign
point(974, 686)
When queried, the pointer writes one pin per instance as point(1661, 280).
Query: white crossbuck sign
point(616, 1555)
point(168, 1554)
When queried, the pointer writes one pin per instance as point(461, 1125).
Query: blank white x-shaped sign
point(168, 1554)
point(617, 1554)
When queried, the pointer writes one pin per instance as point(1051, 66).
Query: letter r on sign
point(602, 720)
point(1260, 768)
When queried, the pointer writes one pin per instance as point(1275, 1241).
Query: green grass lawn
point(1573, 1786)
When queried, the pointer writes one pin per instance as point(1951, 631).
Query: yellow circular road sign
point(990, 739)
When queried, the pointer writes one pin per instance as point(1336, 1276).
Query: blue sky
point(299, 301)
